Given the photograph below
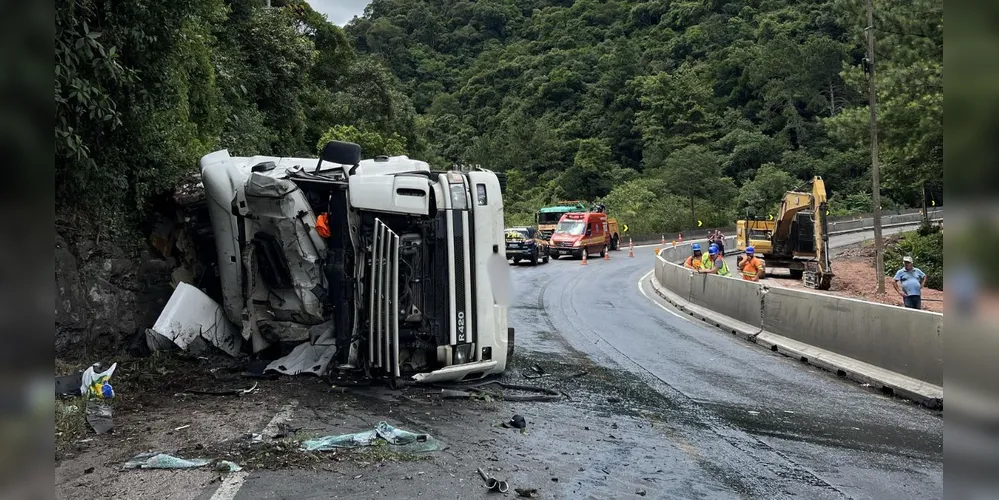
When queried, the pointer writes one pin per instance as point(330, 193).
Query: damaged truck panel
point(399, 269)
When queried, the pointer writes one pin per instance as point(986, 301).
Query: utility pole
point(879, 248)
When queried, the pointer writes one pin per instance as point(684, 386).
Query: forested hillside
point(670, 111)
point(144, 88)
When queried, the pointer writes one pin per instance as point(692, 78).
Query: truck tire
point(604, 251)
point(615, 243)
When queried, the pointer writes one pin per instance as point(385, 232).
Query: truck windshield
point(548, 218)
point(573, 227)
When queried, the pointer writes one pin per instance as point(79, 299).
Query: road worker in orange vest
point(750, 266)
point(696, 260)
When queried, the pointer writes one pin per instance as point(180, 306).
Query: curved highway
point(741, 421)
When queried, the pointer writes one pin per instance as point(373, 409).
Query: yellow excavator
point(797, 239)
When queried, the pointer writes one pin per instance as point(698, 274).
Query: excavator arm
point(821, 206)
point(797, 207)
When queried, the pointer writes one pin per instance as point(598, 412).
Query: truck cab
point(581, 233)
point(547, 217)
point(394, 260)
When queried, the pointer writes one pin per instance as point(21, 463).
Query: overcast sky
point(339, 11)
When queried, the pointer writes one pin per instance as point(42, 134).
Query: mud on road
point(601, 414)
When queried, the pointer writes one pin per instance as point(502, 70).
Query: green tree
point(591, 172)
point(695, 173)
point(761, 196)
point(372, 143)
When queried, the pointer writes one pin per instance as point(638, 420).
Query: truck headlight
point(577, 243)
point(462, 353)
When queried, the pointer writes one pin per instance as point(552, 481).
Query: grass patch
point(68, 367)
point(384, 453)
point(70, 424)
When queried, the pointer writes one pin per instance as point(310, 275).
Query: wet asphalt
point(755, 423)
point(668, 408)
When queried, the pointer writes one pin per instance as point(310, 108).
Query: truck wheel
point(615, 243)
point(603, 251)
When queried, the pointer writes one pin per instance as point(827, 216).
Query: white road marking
point(654, 301)
point(230, 486)
point(233, 482)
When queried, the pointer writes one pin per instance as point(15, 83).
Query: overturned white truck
point(399, 264)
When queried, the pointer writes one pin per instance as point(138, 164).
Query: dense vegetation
point(666, 111)
point(671, 111)
point(144, 88)
point(925, 246)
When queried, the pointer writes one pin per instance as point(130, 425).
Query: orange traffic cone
point(584, 259)
point(606, 253)
point(631, 248)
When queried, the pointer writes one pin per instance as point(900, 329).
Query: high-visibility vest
point(709, 264)
point(751, 269)
point(693, 263)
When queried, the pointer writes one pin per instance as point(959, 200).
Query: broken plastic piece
point(191, 320)
point(306, 357)
point(155, 460)
point(399, 439)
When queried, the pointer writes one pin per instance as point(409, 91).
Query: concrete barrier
point(735, 298)
point(675, 278)
point(905, 341)
point(901, 349)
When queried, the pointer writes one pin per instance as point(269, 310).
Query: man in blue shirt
point(912, 281)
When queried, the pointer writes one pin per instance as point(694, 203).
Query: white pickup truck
point(398, 263)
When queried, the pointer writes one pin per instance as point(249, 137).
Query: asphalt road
point(751, 422)
point(667, 408)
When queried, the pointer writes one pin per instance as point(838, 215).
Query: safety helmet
point(750, 250)
point(696, 247)
point(713, 249)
